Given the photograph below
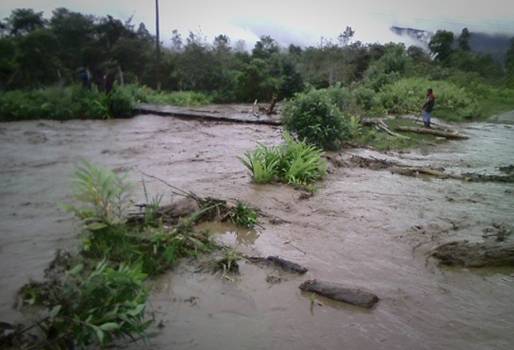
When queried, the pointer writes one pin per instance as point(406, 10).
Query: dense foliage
point(314, 117)
point(362, 79)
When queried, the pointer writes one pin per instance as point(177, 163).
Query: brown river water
point(363, 228)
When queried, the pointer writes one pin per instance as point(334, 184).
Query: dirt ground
point(363, 228)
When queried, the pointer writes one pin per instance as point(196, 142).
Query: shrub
point(92, 308)
point(408, 95)
point(53, 103)
point(121, 102)
point(315, 118)
point(293, 162)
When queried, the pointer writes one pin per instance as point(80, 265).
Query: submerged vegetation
point(99, 296)
point(294, 162)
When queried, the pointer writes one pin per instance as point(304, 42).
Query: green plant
point(121, 102)
point(243, 215)
point(313, 117)
point(293, 162)
point(103, 194)
point(407, 96)
point(228, 263)
point(301, 164)
point(263, 163)
point(94, 308)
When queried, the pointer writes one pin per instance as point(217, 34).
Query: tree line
point(37, 52)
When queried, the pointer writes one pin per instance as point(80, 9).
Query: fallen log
point(451, 135)
point(338, 292)
point(416, 171)
point(476, 254)
point(381, 125)
point(284, 264)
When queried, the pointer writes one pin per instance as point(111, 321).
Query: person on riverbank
point(428, 107)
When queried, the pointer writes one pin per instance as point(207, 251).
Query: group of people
point(105, 81)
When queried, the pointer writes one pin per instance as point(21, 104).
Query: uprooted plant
point(294, 162)
point(99, 296)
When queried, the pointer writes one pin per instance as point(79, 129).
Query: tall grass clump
point(294, 162)
point(314, 117)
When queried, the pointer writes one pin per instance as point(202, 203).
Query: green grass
point(294, 162)
point(175, 98)
point(243, 215)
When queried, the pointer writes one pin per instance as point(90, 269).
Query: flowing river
point(364, 228)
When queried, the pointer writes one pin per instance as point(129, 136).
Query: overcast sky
point(294, 21)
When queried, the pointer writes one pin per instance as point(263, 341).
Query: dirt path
point(364, 228)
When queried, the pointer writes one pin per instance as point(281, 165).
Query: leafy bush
point(53, 103)
point(315, 118)
point(93, 308)
point(408, 95)
point(293, 162)
point(121, 102)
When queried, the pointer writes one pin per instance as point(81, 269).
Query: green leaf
point(110, 326)
point(99, 334)
point(55, 311)
point(137, 310)
point(95, 226)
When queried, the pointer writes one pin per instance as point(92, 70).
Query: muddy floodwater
point(363, 228)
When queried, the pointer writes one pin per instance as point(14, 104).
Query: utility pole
point(157, 47)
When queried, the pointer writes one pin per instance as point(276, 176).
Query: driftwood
point(473, 254)
point(379, 124)
point(414, 171)
point(252, 117)
point(284, 264)
point(335, 291)
point(271, 108)
point(169, 214)
point(451, 135)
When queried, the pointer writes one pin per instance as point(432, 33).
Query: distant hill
point(495, 45)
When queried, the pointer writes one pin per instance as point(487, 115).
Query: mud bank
point(363, 227)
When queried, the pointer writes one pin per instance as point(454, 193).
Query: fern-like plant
point(103, 194)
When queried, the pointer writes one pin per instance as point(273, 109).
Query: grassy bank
point(74, 102)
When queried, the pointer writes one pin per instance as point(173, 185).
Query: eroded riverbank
point(363, 227)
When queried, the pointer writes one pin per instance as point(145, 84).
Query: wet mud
point(363, 227)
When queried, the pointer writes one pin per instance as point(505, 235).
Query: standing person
point(428, 107)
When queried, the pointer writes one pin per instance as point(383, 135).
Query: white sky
point(296, 21)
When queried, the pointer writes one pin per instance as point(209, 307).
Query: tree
point(176, 41)
point(73, 31)
point(441, 45)
point(265, 47)
point(464, 40)
point(24, 21)
point(509, 63)
point(346, 37)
